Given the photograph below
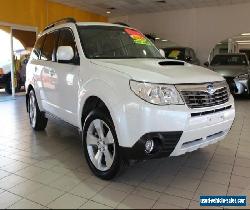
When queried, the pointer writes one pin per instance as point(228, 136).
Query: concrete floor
point(46, 169)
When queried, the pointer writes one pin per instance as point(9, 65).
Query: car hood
point(149, 70)
point(230, 71)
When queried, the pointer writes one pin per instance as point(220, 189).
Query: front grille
point(199, 96)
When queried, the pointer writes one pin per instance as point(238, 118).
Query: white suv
point(129, 101)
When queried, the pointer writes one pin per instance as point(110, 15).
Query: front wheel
point(100, 145)
point(38, 121)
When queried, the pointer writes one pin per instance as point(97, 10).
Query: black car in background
point(182, 53)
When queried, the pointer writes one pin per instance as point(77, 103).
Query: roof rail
point(64, 20)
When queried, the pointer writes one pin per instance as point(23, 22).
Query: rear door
point(48, 75)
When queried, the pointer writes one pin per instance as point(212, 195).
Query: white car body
point(62, 90)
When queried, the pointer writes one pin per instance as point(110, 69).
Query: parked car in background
point(19, 74)
point(234, 67)
point(5, 77)
point(182, 53)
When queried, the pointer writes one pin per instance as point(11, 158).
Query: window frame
point(55, 47)
point(41, 47)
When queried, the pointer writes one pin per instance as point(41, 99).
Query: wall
point(199, 28)
point(38, 13)
point(27, 38)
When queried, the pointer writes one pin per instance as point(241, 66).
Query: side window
point(48, 51)
point(37, 48)
point(66, 38)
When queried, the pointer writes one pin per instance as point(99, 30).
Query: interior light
point(243, 41)
point(164, 40)
point(245, 34)
point(157, 38)
point(108, 12)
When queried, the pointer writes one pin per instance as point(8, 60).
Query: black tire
point(117, 161)
point(38, 121)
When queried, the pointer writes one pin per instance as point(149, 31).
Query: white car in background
point(129, 101)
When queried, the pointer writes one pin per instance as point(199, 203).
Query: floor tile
point(10, 181)
point(14, 167)
point(26, 204)
point(30, 172)
point(67, 201)
point(188, 184)
point(136, 202)
point(109, 197)
point(65, 183)
point(151, 194)
point(25, 188)
point(210, 188)
point(220, 167)
point(7, 199)
point(241, 171)
point(94, 205)
point(217, 177)
point(179, 192)
point(45, 195)
point(240, 182)
point(46, 177)
point(160, 205)
point(122, 187)
point(174, 200)
point(3, 174)
point(86, 189)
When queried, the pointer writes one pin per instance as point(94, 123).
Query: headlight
point(242, 77)
point(158, 94)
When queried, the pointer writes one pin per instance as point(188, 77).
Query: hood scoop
point(171, 63)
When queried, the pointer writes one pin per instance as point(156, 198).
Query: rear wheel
point(100, 145)
point(38, 121)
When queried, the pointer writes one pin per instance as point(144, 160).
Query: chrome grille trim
point(198, 95)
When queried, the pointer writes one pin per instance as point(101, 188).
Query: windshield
point(229, 60)
point(175, 53)
point(110, 42)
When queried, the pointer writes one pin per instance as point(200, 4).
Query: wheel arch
point(93, 102)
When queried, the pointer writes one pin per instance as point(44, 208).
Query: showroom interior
point(49, 168)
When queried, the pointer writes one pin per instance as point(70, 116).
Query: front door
point(64, 80)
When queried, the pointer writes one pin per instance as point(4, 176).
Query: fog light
point(149, 146)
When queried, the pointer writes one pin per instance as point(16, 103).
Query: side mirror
point(162, 53)
point(206, 64)
point(65, 54)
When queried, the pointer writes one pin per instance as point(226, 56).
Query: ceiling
point(128, 7)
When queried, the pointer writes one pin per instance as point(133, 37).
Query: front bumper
point(177, 130)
